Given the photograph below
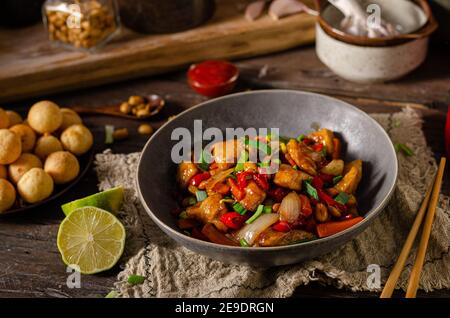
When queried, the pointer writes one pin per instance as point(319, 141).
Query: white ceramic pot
point(368, 64)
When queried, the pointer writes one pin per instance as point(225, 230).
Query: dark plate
point(294, 112)
point(85, 163)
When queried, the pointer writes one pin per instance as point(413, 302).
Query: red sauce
point(213, 78)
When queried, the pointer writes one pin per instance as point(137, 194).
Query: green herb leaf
point(312, 192)
point(404, 149)
point(337, 179)
point(109, 130)
point(136, 279)
point(258, 212)
point(342, 198)
point(239, 208)
point(201, 195)
point(183, 215)
point(112, 294)
point(203, 160)
point(244, 243)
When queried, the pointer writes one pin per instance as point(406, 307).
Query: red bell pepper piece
point(317, 182)
point(330, 201)
point(242, 178)
point(306, 209)
point(317, 147)
point(261, 181)
point(198, 178)
point(447, 134)
point(281, 226)
point(237, 192)
point(233, 220)
point(330, 228)
point(327, 178)
point(277, 194)
point(308, 141)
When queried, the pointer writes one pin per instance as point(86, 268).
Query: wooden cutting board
point(31, 66)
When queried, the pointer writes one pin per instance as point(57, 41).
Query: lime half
point(92, 239)
point(109, 200)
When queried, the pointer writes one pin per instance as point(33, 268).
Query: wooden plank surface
point(30, 265)
point(30, 65)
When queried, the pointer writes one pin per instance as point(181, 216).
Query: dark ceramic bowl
point(293, 112)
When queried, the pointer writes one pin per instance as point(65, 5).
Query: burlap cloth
point(173, 271)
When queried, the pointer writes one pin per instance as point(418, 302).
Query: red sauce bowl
point(213, 78)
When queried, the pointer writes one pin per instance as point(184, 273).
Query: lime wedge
point(109, 200)
point(92, 239)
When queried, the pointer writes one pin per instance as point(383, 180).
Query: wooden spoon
point(156, 104)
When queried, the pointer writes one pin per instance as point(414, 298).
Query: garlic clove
point(254, 10)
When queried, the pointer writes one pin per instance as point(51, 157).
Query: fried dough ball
point(7, 195)
point(62, 166)
point(69, 118)
point(14, 118)
point(3, 172)
point(10, 147)
point(35, 185)
point(47, 145)
point(4, 119)
point(45, 117)
point(18, 168)
point(77, 139)
point(27, 136)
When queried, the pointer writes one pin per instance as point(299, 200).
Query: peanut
point(120, 134)
point(145, 129)
point(321, 213)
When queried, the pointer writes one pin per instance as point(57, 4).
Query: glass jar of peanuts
point(82, 24)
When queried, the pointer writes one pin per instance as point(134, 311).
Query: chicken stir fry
point(234, 201)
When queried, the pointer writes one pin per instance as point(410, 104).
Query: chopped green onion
point(109, 137)
point(264, 164)
point(312, 192)
point(258, 212)
point(244, 243)
point(323, 152)
point(267, 209)
point(203, 162)
point(239, 208)
point(301, 137)
point(337, 179)
point(261, 146)
point(201, 195)
point(112, 294)
point(183, 215)
point(187, 233)
point(342, 198)
point(277, 161)
point(295, 167)
point(405, 149)
point(191, 200)
point(242, 159)
point(136, 279)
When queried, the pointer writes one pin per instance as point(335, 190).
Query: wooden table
point(30, 264)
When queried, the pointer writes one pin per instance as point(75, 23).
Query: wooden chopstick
point(400, 264)
point(414, 278)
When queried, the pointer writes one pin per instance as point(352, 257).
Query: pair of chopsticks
point(430, 201)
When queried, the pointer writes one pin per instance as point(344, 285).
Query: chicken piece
point(325, 137)
point(287, 177)
point(273, 238)
point(225, 153)
point(299, 153)
point(334, 168)
point(186, 170)
point(209, 211)
point(254, 196)
point(352, 177)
